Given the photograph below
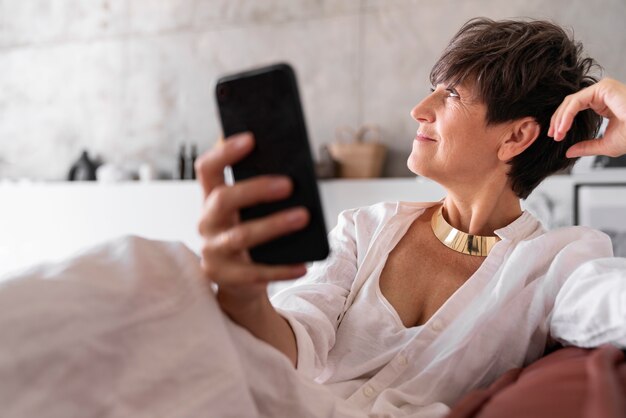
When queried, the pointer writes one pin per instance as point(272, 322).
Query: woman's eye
point(452, 93)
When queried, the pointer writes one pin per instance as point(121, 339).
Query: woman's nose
point(424, 110)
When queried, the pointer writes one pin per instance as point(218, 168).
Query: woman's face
point(453, 144)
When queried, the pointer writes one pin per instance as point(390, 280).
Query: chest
point(421, 273)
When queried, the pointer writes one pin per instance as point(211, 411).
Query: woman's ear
point(521, 136)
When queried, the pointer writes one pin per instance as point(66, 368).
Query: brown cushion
point(571, 382)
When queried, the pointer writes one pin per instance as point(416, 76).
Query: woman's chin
point(423, 170)
point(418, 167)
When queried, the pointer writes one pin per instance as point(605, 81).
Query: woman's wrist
point(257, 315)
point(239, 302)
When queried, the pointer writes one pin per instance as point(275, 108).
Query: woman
point(421, 302)
point(399, 321)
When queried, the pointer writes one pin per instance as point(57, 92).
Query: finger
point(556, 122)
point(555, 117)
point(224, 201)
point(210, 166)
point(249, 234)
point(233, 272)
point(551, 127)
point(567, 110)
point(592, 97)
point(586, 148)
point(575, 103)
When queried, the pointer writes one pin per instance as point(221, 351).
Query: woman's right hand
point(607, 98)
point(226, 240)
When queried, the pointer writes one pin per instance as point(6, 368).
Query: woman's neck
point(481, 212)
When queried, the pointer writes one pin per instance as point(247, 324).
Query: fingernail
point(241, 140)
point(296, 216)
point(279, 185)
point(299, 270)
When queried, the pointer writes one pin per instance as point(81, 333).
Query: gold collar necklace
point(460, 241)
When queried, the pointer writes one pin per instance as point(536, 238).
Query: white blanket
point(131, 329)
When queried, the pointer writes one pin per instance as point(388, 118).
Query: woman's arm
point(590, 309)
point(242, 292)
point(260, 318)
point(313, 305)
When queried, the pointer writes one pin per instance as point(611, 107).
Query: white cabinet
point(47, 221)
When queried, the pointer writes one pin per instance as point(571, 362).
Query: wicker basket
point(362, 155)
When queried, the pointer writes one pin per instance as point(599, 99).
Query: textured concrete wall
point(132, 79)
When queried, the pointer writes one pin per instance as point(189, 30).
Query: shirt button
point(437, 325)
point(402, 361)
point(368, 391)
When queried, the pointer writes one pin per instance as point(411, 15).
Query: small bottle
point(191, 161)
point(180, 172)
point(84, 169)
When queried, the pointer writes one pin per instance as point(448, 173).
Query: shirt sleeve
point(590, 307)
point(313, 305)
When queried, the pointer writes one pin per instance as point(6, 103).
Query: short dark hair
point(523, 68)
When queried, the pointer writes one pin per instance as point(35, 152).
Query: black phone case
point(265, 101)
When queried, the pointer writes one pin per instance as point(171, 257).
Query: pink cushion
point(569, 383)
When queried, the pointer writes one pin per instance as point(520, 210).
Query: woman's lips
point(423, 138)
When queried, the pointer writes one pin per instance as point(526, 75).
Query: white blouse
point(524, 294)
point(372, 343)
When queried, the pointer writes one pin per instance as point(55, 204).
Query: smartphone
point(265, 101)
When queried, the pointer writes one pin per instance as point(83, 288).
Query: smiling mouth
point(421, 137)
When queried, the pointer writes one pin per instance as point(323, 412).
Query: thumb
point(589, 147)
